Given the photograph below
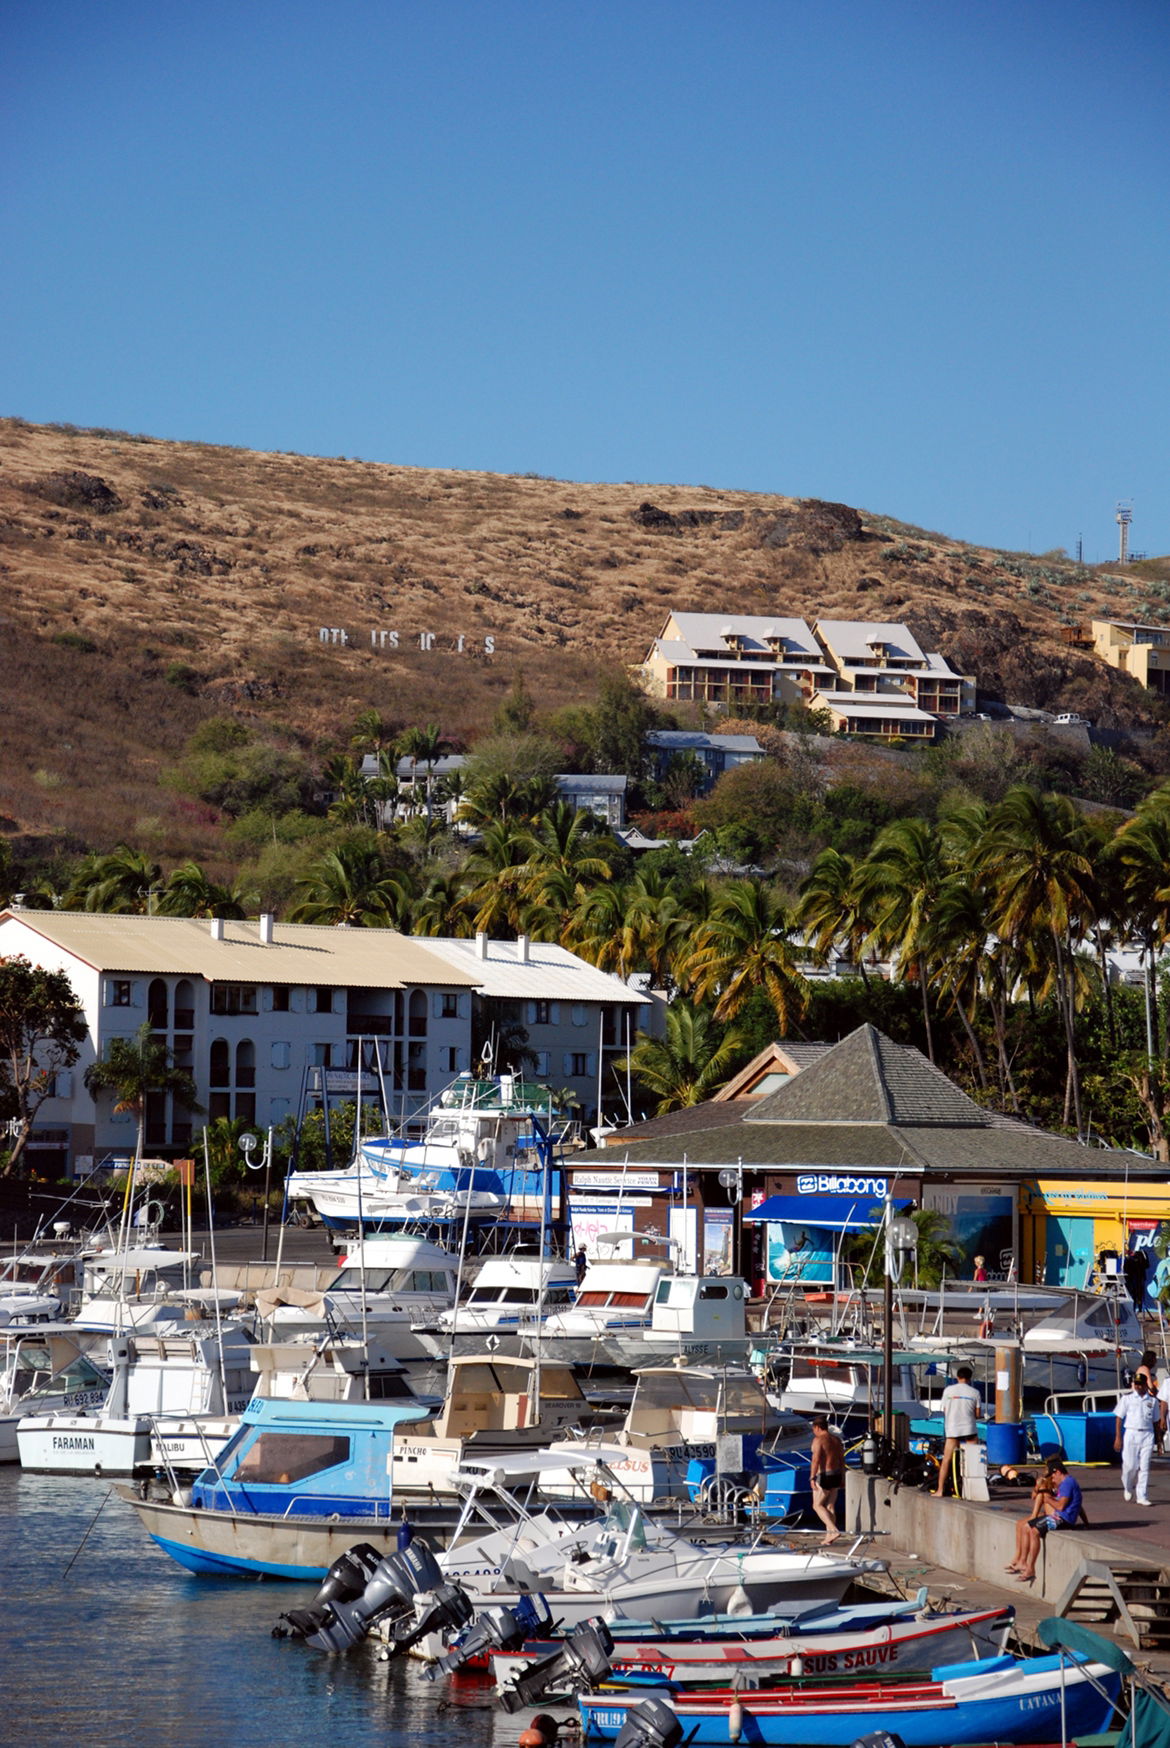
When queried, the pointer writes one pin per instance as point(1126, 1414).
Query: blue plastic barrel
point(1007, 1441)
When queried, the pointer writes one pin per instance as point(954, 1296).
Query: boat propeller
point(407, 1589)
point(581, 1662)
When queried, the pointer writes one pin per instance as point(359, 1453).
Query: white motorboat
point(510, 1294)
point(637, 1311)
point(623, 1565)
point(385, 1286)
point(679, 1414)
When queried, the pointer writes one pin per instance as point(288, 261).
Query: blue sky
point(911, 256)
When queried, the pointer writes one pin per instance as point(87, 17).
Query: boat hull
point(78, 1444)
point(922, 1715)
point(895, 1644)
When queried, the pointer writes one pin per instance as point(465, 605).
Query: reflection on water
point(127, 1646)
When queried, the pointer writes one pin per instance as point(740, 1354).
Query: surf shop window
point(279, 1458)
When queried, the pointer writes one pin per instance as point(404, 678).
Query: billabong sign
point(835, 1184)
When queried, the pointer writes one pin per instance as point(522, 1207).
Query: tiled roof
point(867, 1078)
point(674, 1123)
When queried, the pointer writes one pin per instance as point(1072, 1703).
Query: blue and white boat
point(998, 1699)
point(487, 1146)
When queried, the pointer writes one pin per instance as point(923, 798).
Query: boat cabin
point(707, 1307)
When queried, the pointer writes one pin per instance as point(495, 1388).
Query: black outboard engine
point(581, 1662)
point(408, 1586)
point(879, 1739)
point(650, 1724)
point(494, 1629)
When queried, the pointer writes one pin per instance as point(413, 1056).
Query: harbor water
point(123, 1646)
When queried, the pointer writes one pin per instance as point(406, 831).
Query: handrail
point(1088, 1401)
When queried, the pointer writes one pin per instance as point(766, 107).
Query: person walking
point(827, 1474)
point(960, 1406)
point(980, 1268)
point(1137, 1415)
point(1137, 1267)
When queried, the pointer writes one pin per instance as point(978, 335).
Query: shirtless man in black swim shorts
point(827, 1475)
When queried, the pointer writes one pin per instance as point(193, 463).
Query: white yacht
point(385, 1286)
point(511, 1293)
point(43, 1370)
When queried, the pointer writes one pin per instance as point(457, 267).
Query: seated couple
point(1055, 1505)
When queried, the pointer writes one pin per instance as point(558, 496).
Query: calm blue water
point(128, 1647)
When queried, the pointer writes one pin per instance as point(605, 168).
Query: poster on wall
point(718, 1232)
point(981, 1224)
point(797, 1252)
point(591, 1220)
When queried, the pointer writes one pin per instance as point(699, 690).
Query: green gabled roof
point(867, 1078)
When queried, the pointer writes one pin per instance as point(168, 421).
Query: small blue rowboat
point(1000, 1699)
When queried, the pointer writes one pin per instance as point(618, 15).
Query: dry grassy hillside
point(149, 584)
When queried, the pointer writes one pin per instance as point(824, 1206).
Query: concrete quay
point(959, 1548)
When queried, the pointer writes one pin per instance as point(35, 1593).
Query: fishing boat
point(998, 1699)
point(44, 1370)
point(197, 1378)
point(871, 1637)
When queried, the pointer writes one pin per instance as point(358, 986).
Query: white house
point(249, 1007)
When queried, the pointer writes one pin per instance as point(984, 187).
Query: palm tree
point(190, 892)
point(443, 907)
point(832, 909)
point(123, 881)
point(746, 946)
point(1141, 855)
point(1036, 859)
point(353, 885)
point(132, 1069)
point(690, 1062)
point(565, 858)
point(492, 873)
point(900, 881)
point(426, 744)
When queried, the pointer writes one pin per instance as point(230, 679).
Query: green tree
point(690, 1062)
point(122, 881)
point(900, 882)
point(41, 1031)
point(189, 891)
point(132, 1069)
point(353, 884)
point(744, 946)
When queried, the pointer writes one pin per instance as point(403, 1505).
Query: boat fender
point(540, 1733)
point(739, 1602)
point(734, 1721)
point(796, 1666)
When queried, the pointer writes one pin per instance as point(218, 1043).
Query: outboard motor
point(407, 1586)
point(650, 1724)
point(878, 1739)
point(494, 1629)
point(582, 1661)
point(345, 1581)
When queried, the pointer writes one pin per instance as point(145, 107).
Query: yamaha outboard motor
point(408, 1586)
point(345, 1581)
point(581, 1662)
point(494, 1629)
point(650, 1724)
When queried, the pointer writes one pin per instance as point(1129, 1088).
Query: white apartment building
point(248, 1008)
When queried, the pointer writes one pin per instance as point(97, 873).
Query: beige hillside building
point(1143, 651)
point(871, 677)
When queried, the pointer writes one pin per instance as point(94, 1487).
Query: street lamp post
point(248, 1145)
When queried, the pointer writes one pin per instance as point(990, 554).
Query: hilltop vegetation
point(152, 586)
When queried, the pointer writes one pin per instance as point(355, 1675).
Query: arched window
point(156, 1004)
point(221, 1062)
point(418, 1014)
point(184, 1005)
point(245, 1063)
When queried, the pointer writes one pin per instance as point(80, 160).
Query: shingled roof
point(870, 1104)
point(867, 1078)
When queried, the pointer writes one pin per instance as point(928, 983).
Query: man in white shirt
point(1138, 1413)
point(960, 1406)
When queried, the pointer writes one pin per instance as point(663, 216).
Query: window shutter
point(63, 1084)
point(579, 1014)
point(137, 999)
point(266, 1000)
point(281, 1054)
point(296, 1001)
point(530, 1012)
point(568, 1061)
point(591, 1063)
point(437, 1005)
point(554, 1013)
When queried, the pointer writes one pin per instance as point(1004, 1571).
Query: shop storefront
point(1071, 1233)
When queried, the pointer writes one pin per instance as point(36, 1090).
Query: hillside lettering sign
point(426, 641)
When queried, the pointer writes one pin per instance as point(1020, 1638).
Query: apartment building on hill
point(871, 677)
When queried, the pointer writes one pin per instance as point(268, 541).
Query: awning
point(827, 1213)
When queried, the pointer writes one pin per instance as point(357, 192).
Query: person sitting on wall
point(1056, 1504)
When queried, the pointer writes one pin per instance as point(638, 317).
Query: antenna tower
point(1124, 518)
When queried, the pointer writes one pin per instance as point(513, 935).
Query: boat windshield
point(34, 1370)
point(618, 1301)
point(733, 1395)
point(279, 1458)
